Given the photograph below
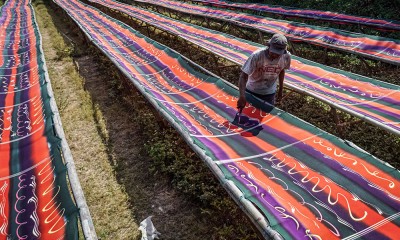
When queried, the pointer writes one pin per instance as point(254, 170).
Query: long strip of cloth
point(341, 18)
point(35, 202)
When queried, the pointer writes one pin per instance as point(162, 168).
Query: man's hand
point(278, 98)
point(242, 89)
point(241, 103)
point(280, 90)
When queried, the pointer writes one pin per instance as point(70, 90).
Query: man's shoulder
point(258, 51)
point(287, 55)
point(257, 55)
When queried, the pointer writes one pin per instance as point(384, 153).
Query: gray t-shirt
point(263, 73)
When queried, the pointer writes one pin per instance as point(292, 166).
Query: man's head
point(277, 45)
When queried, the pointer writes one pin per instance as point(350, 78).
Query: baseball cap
point(277, 44)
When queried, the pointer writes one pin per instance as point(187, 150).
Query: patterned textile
point(379, 48)
point(308, 183)
point(369, 99)
point(309, 13)
point(35, 202)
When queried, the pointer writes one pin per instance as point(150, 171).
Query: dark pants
point(269, 98)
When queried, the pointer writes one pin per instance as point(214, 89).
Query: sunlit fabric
point(308, 13)
point(308, 183)
point(35, 202)
point(379, 48)
point(369, 99)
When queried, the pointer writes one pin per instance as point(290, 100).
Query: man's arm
point(242, 90)
point(280, 90)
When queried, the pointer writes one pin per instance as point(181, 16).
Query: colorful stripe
point(308, 183)
point(379, 48)
point(375, 101)
point(308, 13)
point(35, 202)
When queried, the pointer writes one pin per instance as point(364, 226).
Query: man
point(261, 71)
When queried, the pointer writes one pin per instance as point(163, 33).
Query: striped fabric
point(385, 24)
point(308, 183)
point(379, 48)
point(375, 101)
point(35, 202)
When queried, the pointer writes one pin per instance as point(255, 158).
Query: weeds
point(63, 51)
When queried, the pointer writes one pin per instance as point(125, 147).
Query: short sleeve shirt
point(263, 73)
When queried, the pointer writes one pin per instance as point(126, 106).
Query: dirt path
point(173, 215)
